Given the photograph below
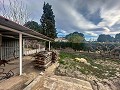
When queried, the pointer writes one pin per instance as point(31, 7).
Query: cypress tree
point(48, 21)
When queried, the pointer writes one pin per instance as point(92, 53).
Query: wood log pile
point(44, 59)
point(55, 56)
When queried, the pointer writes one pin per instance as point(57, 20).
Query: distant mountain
point(108, 38)
point(105, 38)
point(117, 37)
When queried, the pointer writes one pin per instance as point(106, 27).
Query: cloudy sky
point(91, 17)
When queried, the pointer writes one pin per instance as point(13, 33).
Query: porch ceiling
point(12, 29)
point(10, 34)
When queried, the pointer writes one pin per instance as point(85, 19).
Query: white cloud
point(69, 18)
point(110, 17)
point(62, 32)
point(108, 31)
point(91, 33)
point(77, 19)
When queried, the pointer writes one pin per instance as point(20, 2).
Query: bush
point(63, 45)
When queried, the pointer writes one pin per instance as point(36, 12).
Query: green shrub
point(63, 45)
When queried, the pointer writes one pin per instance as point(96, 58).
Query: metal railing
point(9, 52)
point(29, 52)
point(12, 52)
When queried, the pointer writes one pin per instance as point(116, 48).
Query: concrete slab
point(14, 83)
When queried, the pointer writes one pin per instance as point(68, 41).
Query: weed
point(101, 71)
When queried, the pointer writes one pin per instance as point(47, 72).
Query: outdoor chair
point(4, 75)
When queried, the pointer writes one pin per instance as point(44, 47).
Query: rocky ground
point(66, 83)
point(76, 71)
point(102, 74)
point(55, 82)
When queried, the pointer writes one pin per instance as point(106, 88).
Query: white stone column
point(20, 52)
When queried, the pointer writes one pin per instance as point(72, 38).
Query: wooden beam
point(13, 30)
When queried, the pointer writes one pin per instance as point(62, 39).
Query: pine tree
point(48, 22)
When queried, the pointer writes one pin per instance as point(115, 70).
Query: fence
point(9, 52)
point(12, 52)
point(9, 49)
point(29, 52)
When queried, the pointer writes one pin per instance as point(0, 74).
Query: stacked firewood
point(43, 59)
point(55, 56)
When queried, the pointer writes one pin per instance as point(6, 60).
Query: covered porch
point(10, 30)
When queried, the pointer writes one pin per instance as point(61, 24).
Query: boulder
point(83, 60)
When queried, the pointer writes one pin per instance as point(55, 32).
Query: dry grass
point(99, 68)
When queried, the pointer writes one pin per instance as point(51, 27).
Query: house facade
point(61, 39)
point(12, 36)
